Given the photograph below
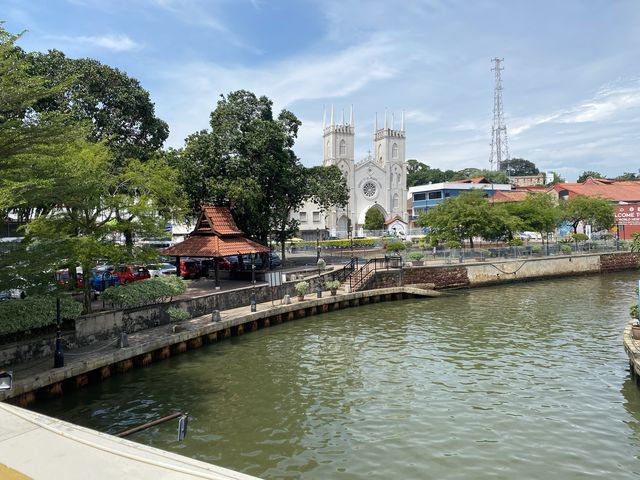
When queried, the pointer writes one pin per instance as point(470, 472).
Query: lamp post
point(319, 283)
point(317, 244)
point(253, 283)
point(58, 356)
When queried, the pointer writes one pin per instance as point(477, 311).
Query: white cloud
point(115, 42)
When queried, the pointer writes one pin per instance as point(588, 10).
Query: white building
point(378, 181)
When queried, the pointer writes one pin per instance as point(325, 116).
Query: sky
point(571, 79)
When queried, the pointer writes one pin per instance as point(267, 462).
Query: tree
point(588, 173)
point(628, 176)
point(537, 212)
point(373, 219)
point(467, 216)
point(419, 173)
point(119, 109)
point(491, 175)
point(516, 167)
point(597, 212)
point(246, 162)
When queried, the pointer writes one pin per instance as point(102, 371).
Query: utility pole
point(499, 142)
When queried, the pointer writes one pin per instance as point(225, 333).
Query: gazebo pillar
point(178, 266)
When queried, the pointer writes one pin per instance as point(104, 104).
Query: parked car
point(131, 273)
point(274, 261)
point(102, 279)
point(161, 269)
point(12, 293)
point(189, 269)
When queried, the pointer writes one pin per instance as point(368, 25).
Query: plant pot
point(418, 263)
point(301, 298)
point(334, 292)
point(635, 332)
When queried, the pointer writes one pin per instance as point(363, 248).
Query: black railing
point(359, 277)
point(349, 267)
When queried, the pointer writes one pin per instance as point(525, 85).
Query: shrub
point(536, 249)
point(395, 246)
point(416, 256)
point(177, 314)
point(321, 264)
point(35, 312)
point(453, 244)
point(515, 242)
point(145, 292)
point(301, 287)
point(635, 243)
point(633, 311)
point(580, 237)
point(565, 248)
point(332, 284)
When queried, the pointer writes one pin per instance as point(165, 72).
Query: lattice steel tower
point(499, 142)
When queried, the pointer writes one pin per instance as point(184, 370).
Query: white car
point(16, 293)
point(161, 269)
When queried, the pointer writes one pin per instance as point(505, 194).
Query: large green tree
point(492, 176)
point(419, 173)
point(466, 216)
point(537, 212)
point(516, 167)
point(246, 162)
point(597, 212)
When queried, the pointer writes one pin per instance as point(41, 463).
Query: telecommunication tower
point(499, 142)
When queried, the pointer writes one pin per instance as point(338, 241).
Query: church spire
point(351, 117)
point(332, 114)
point(324, 117)
point(385, 118)
point(375, 124)
point(342, 116)
point(402, 123)
point(393, 120)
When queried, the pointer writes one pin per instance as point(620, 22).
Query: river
point(520, 381)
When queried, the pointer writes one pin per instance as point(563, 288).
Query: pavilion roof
point(216, 235)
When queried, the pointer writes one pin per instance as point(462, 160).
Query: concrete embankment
point(33, 381)
point(632, 347)
point(40, 447)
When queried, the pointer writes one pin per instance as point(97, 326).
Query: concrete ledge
point(632, 347)
point(42, 447)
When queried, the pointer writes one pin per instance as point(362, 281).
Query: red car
point(131, 273)
point(189, 269)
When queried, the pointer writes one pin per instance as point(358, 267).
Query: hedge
point(145, 292)
point(35, 312)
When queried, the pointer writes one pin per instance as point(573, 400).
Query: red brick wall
point(613, 262)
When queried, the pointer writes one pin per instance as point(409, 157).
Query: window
point(303, 217)
point(396, 201)
point(379, 152)
point(418, 197)
point(328, 148)
point(343, 147)
point(369, 189)
point(316, 217)
point(435, 195)
point(394, 150)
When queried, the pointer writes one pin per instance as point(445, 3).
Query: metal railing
point(359, 277)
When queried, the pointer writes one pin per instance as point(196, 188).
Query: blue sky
point(571, 78)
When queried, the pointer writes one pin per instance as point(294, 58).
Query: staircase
point(358, 278)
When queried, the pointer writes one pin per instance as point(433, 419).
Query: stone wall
point(614, 262)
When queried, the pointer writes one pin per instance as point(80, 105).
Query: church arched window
point(394, 150)
point(343, 147)
point(396, 201)
point(328, 148)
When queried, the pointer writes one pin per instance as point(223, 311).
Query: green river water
point(521, 381)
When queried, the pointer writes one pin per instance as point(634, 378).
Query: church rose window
point(369, 189)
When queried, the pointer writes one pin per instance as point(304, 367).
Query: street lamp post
point(58, 356)
point(253, 283)
point(317, 244)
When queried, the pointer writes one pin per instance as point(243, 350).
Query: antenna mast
point(499, 142)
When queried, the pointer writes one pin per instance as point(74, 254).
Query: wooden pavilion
point(216, 236)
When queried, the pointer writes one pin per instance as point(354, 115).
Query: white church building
point(378, 181)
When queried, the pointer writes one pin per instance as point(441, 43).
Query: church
point(377, 181)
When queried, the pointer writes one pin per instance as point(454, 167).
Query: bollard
point(286, 300)
point(58, 356)
point(215, 316)
point(123, 342)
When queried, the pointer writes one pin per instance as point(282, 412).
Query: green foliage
point(321, 264)
point(566, 248)
point(373, 219)
point(537, 212)
point(555, 178)
point(419, 173)
point(453, 244)
point(466, 216)
point(515, 242)
point(491, 175)
point(580, 237)
point(536, 249)
point(633, 311)
point(332, 284)
point(635, 243)
point(301, 288)
point(145, 292)
point(177, 314)
point(395, 246)
point(517, 167)
point(598, 212)
point(588, 173)
point(416, 256)
point(35, 312)
point(345, 243)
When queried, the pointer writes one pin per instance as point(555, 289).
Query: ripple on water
point(522, 381)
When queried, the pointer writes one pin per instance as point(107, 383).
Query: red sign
point(627, 214)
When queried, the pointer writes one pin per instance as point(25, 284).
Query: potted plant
point(333, 286)
point(301, 288)
point(416, 258)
